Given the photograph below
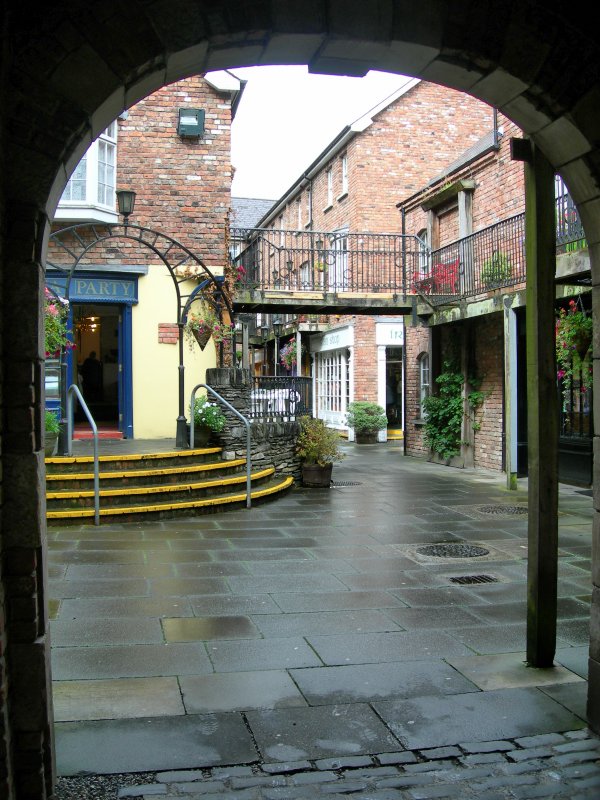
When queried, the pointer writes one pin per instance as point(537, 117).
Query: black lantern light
point(126, 203)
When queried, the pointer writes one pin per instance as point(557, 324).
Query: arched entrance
point(67, 74)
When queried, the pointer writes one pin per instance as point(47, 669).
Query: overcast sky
point(286, 117)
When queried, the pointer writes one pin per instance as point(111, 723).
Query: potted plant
point(208, 419)
point(52, 429)
point(318, 446)
point(204, 324)
point(367, 419)
point(496, 271)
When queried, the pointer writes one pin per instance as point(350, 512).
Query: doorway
point(96, 367)
point(393, 387)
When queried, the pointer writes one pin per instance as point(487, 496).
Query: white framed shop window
point(424, 383)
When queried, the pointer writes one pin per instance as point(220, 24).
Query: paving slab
point(334, 601)
point(153, 743)
point(239, 691)
point(209, 628)
point(83, 632)
point(322, 732)
point(373, 648)
point(130, 661)
point(227, 604)
point(247, 655)
point(310, 623)
point(508, 671)
point(572, 696)
point(104, 607)
point(363, 684)
point(574, 658)
point(479, 716)
point(124, 698)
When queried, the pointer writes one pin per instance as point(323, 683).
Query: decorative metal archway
point(76, 241)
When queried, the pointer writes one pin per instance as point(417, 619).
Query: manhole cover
point(517, 510)
point(452, 551)
point(466, 580)
point(335, 484)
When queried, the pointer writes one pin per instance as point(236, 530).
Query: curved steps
point(153, 485)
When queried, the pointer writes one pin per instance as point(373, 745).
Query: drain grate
point(335, 484)
point(452, 551)
point(516, 510)
point(468, 580)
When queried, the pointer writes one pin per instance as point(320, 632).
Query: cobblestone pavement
point(547, 765)
point(366, 640)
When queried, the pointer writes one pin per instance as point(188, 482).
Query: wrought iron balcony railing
point(395, 264)
point(313, 261)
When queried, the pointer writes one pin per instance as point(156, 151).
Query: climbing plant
point(444, 410)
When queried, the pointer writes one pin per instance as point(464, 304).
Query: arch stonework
point(66, 74)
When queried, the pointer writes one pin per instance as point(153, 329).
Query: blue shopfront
point(100, 318)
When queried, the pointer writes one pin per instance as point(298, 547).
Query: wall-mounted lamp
point(126, 203)
point(191, 122)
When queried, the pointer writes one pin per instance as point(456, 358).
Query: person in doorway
point(91, 372)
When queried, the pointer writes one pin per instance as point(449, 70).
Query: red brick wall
point(416, 342)
point(499, 190)
point(365, 359)
point(487, 349)
point(183, 186)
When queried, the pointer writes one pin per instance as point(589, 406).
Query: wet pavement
point(305, 645)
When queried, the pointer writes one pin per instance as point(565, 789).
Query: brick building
point(471, 280)
point(123, 301)
point(349, 193)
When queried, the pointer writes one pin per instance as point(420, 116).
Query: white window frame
point(96, 205)
point(308, 206)
point(424, 382)
point(344, 168)
point(329, 188)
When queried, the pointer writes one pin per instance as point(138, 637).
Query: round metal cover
point(452, 550)
point(503, 510)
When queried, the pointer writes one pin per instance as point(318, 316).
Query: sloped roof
point(247, 211)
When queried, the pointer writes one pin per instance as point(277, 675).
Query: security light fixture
point(126, 202)
point(277, 326)
point(191, 122)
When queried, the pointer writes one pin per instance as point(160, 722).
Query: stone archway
point(66, 75)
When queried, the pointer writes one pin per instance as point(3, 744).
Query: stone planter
point(50, 444)
point(366, 438)
point(202, 435)
point(316, 476)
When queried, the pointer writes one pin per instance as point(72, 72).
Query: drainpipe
point(495, 118)
point(403, 219)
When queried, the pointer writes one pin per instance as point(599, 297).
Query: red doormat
point(104, 432)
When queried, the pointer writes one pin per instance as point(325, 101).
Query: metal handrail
point(74, 390)
point(237, 414)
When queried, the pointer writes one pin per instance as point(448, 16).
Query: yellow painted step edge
point(145, 473)
point(175, 487)
point(132, 456)
point(213, 501)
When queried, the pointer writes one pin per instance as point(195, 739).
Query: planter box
point(316, 476)
point(366, 438)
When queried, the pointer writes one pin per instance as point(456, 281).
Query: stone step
point(169, 509)
point(137, 494)
point(121, 462)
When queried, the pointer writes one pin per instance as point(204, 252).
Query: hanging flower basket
point(574, 330)
point(202, 337)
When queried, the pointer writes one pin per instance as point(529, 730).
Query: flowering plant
point(316, 443)
point(202, 325)
point(573, 340)
point(208, 415)
point(288, 355)
point(240, 274)
point(56, 310)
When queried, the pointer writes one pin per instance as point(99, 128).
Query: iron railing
point(280, 397)
point(313, 261)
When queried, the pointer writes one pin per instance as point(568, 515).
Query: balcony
point(311, 272)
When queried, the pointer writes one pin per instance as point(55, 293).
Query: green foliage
point(444, 411)
point(316, 443)
point(56, 310)
point(52, 422)
point(497, 270)
point(366, 417)
point(574, 329)
point(208, 415)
